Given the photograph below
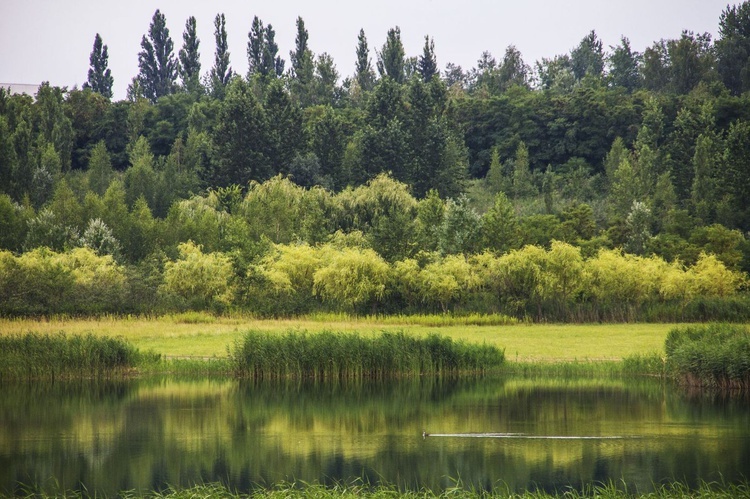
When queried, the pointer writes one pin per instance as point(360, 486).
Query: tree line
point(641, 153)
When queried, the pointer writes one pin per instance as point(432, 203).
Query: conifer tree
point(221, 73)
point(427, 65)
point(158, 66)
point(255, 47)
point(391, 59)
point(190, 64)
point(100, 77)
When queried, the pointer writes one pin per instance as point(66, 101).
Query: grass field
point(206, 336)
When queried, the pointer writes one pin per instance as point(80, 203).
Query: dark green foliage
point(240, 138)
point(587, 59)
point(391, 59)
point(333, 356)
point(733, 47)
point(623, 67)
point(427, 66)
point(157, 63)
point(262, 51)
point(100, 76)
point(221, 72)
point(716, 355)
point(363, 72)
point(189, 56)
point(35, 356)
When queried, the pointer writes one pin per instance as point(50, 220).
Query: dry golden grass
point(210, 337)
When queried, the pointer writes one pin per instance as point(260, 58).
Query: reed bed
point(55, 356)
point(334, 355)
point(714, 355)
point(358, 489)
point(428, 320)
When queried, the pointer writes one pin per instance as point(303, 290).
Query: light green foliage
point(201, 279)
point(711, 277)
point(44, 281)
point(446, 280)
point(197, 219)
point(351, 277)
point(639, 227)
point(272, 210)
point(384, 211)
point(563, 273)
point(288, 272)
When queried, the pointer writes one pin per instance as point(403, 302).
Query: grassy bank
point(336, 491)
point(202, 336)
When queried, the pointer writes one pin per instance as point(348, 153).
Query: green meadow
point(206, 336)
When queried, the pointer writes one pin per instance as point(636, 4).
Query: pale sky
point(50, 40)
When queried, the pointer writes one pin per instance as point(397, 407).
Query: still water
point(150, 434)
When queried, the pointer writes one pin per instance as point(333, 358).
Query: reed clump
point(713, 356)
point(333, 355)
point(55, 356)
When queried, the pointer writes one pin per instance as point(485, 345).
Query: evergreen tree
point(100, 77)
point(221, 72)
point(588, 57)
point(391, 60)
point(513, 71)
point(500, 228)
point(363, 73)
point(624, 67)
point(326, 77)
point(302, 68)
point(427, 65)
point(100, 170)
point(190, 64)
point(158, 66)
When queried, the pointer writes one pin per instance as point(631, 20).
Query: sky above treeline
point(50, 40)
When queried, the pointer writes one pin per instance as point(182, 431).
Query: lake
point(516, 433)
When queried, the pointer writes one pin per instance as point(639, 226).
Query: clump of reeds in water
point(714, 355)
point(330, 355)
point(54, 356)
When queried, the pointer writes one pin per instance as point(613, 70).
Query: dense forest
point(596, 185)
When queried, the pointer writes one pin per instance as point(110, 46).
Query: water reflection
point(149, 434)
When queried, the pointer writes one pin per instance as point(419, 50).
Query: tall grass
point(328, 355)
point(54, 356)
point(429, 320)
point(293, 490)
point(714, 355)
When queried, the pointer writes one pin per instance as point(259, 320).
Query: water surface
point(515, 433)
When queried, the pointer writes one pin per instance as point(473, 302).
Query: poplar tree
point(190, 64)
point(302, 65)
point(427, 65)
point(157, 63)
point(100, 77)
point(363, 73)
point(262, 51)
point(221, 73)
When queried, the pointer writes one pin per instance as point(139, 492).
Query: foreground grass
point(336, 491)
point(203, 336)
